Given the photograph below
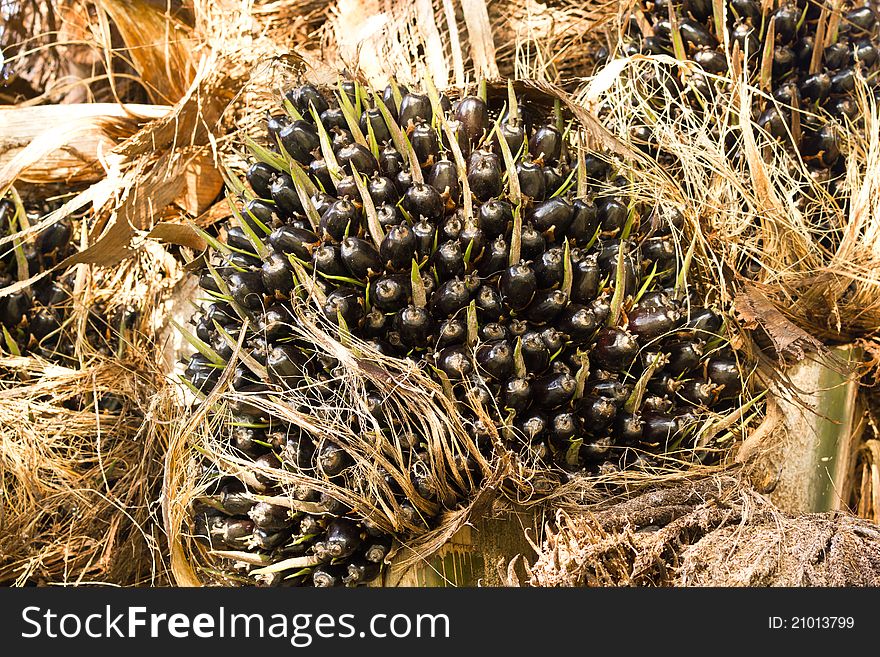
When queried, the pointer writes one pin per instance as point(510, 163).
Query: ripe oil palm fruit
point(551, 299)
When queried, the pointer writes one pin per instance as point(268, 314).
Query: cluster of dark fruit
point(422, 250)
point(809, 65)
point(32, 317)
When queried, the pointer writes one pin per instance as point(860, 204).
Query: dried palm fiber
point(714, 532)
point(550, 42)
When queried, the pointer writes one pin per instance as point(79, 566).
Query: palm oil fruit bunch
point(473, 239)
point(804, 54)
point(31, 318)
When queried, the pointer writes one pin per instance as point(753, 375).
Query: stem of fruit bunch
point(473, 326)
point(515, 193)
point(677, 43)
point(458, 156)
point(304, 190)
point(516, 236)
point(348, 112)
point(767, 56)
point(635, 399)
point(326, 147)
point(719, 14)
point(512, 104)
point(401, 142)
point(419, 296)
point(373, 223)
point(681, 280)
point(619, 285)
point(18, 221)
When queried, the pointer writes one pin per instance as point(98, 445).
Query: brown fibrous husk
point(714, 532)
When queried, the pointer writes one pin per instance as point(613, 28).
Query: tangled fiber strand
point(715, 532)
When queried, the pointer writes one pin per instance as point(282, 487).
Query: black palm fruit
point(513, 307)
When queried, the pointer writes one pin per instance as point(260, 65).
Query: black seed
point(260, 211)
point(866, 53)
point(424, 142)
point(444, 178)
point(563, 428)
point(285, 363)
point(484, 174)
point(534, 426)
point(816, 87)
point(398, 247)
point(276, 322)
point(305, 96)
point(535, 353)
point(322, 202)
point(516, 395)
point(546, 144)
point(774, 123)
point(514, 135)
point(710, 59)
point(584, 223)
point(332, 459)
point(320, 173)
point(496, 258)
point(555, 214)
point(360, 257)
point(452, 331)
point(414, 325)
point(614, 350)
point(550, 267)
point(391, 162)
point(247, 289)
point(357, 156)
point(612, 213)
point(388, 216)
point(284, 195)
point(546, 306)
point(425, 234)
point(327, 259)
point(517, 286)
point(694, 33)
point(344, 301)
point(597, 412)
point(493, 331)
point(389, 293)
point(274, 125)
point(532, 243)
point(375, 324)
point(650, 323)
point(473, 117)
point(578, 322)
point(290, 240)
point(277, 274)
point(449, 298)
point(861, 18)
point(496, 215)
point(380, 129)
point(532, 182)
point(843, 81)
point(343, 538)
point(423, 200)
point(699, 392)
point(488, 303)
point(454, 362)
point(554, 339)
point(585, 280)
point(746, 36)
point(554, 390)
point(333, 117)
point(414, 107)
point(299, 139)
point(259, 176)
point(702, 322)
point(683, 357)
point(496, 359)
point(723, 372)
point(449, 260)
point(627, 428)
point(383, 191)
